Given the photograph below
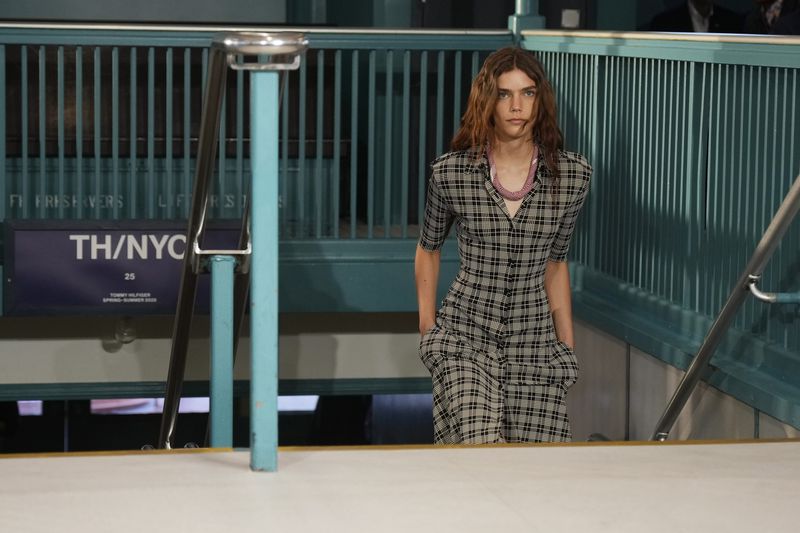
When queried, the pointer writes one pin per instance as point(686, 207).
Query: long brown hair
point(477, 124)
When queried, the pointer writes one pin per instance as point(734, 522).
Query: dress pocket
point(564, 364)
point(431, 346)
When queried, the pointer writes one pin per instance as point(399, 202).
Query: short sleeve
point(560, 247)
point(438, 217)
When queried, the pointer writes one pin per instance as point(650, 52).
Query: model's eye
point(530, 92)
point(503, 94)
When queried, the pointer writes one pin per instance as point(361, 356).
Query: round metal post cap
point(252, 43)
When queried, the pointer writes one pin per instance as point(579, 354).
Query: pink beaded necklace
point(526, 187)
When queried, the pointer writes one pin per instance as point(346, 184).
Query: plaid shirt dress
point(499, 372)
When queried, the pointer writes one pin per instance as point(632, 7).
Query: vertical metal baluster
point(423, 124)
point(562, 88)
point(42, 185)
point(757, 153)
point(713, 204)
point(284, 193)
point(615, 117)
point(4, 188)
point(667, 152)
point(698, 211)
point(794, 339)
point(457, 92)
point(353, 143)
point(440, 104)
point(724, 177)
point(337, 139)
point(60, 190)
point(169, 184)
point(776, 192)
point(742, 177)
point(26, 196)
point(115, 178)
point(749, 184)
point(595, 155)
point(632, 273)
point(187, 134)
point(371, 147)
point(782, 175)
point(318, 182)
point(222, 160)
point(150, 190)
point(97, 189)
point(133, 184)
point(404, 154)
point(78, 179)
point(650, 180)
point(388, 152)
point(599, 227)
point(239, 185)
point(300, 189)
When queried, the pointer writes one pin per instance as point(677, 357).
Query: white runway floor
point(728, 487)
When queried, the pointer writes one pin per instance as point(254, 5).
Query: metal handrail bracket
point(772, 297)
point(761, 256)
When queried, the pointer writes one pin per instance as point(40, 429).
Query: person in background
point(779, 17)
point(699, 16)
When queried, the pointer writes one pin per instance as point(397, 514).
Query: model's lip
point(517, 120)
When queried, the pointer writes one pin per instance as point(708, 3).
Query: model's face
point(515, 110)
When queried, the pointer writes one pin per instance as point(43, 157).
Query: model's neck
point(512, 149)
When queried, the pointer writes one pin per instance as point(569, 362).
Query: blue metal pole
point(264, 273)
point(221, 378)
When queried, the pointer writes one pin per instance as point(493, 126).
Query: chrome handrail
point(225, 49)
point(761, 256)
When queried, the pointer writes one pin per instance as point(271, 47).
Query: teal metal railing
point(694, 141)
point(101, 123)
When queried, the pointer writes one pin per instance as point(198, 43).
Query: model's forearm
point(426, 275)
point(556, 286)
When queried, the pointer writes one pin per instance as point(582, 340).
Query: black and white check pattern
point(499, 372)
